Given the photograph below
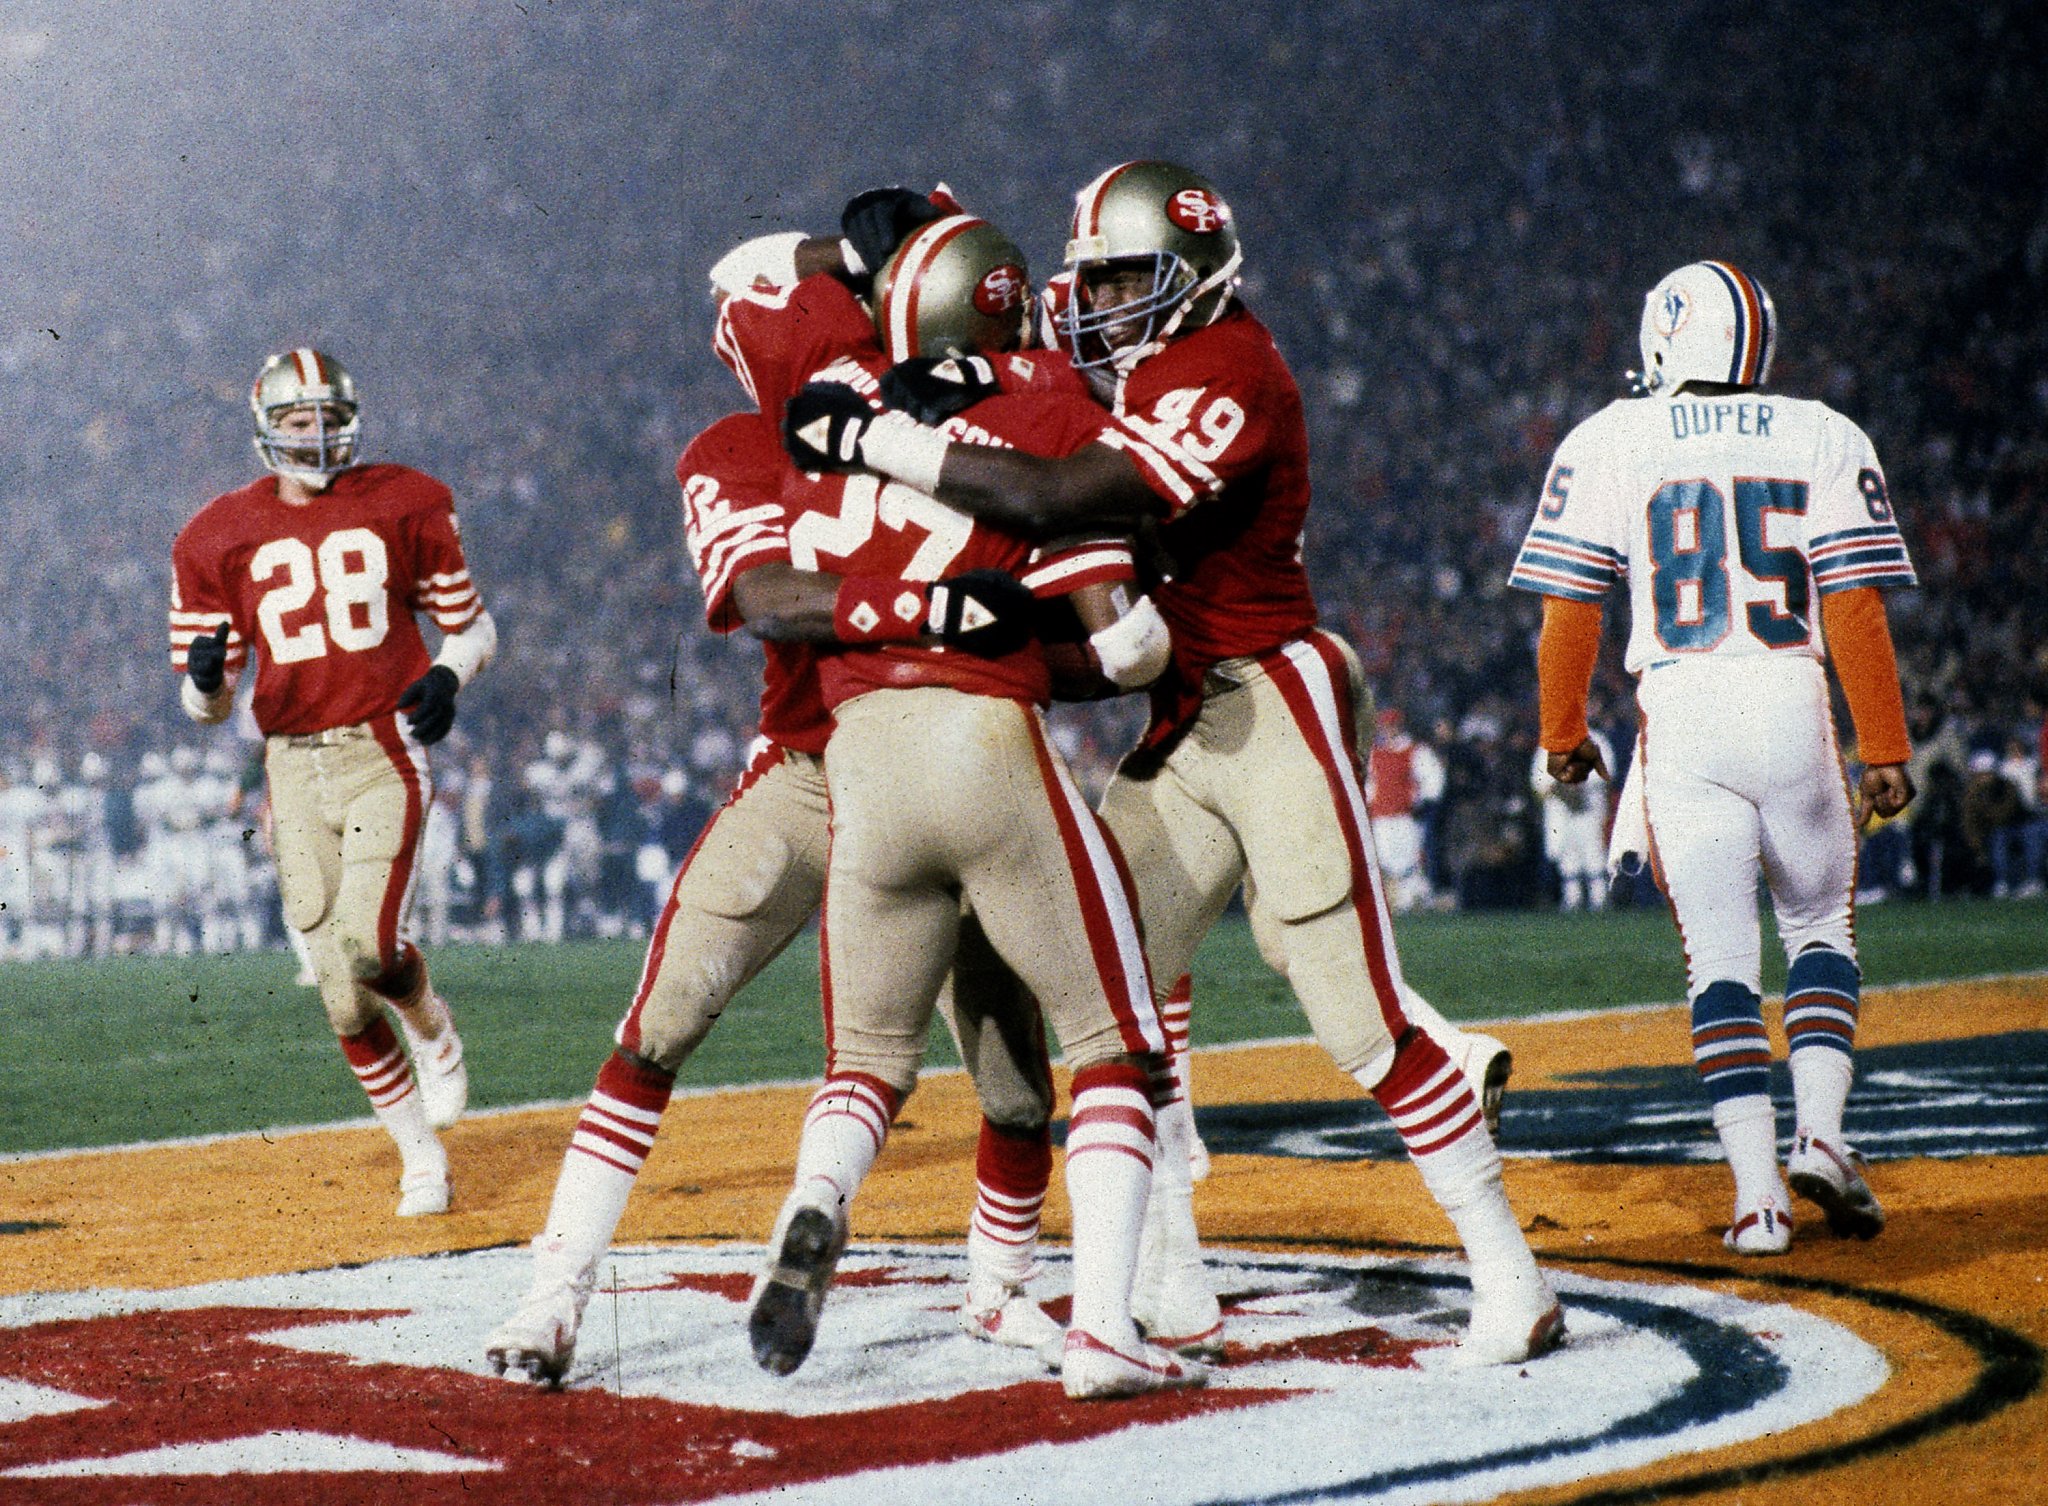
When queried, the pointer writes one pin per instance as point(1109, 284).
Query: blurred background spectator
point(500, 217)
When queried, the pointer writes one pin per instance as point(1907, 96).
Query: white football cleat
point(437, 1063)
point(1487, 1065)
point(423, 1192)
point(1180, 1314)
point(1512, 1321)
point(804, 1252)
point(538, 1342)
point(1761, 1228)
point(1828, 1173)
point(1092, 1370)
point(999, 1313)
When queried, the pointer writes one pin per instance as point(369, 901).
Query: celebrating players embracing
point(1250, 771)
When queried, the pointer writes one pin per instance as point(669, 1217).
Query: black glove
point(931, 389)
point(206, 661)
point(822, 426)
point(432, 699)
point(876, 222)
point(983, 612)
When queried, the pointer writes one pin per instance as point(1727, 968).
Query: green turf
point(144, 1049)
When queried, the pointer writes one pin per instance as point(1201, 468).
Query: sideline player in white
point(1728, 510)
point(1575, 827)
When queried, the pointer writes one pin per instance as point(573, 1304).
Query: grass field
point(107, 1053)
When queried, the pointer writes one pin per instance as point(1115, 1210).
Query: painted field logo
point(1984, 1096)
point(368, 1385)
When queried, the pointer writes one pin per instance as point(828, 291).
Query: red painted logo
point(1001, 289)
point(1198, 210)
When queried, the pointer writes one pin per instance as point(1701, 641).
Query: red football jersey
point(1214, 422)
point(733, 520)
point(863, 525)
point(775, 339)
point(326, 591)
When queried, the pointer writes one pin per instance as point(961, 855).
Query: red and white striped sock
point(1438, 1118)
point(844, 1129)
point(380, 1066)
point(611, 1142)
point(1109, 1177)
point(1012, 1169)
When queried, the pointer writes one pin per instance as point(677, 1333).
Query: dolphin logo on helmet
point(1709, 321)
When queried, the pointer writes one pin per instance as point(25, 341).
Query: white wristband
point(903, 449)
point(202, 707)
point(468, 651)
point(1135, 649)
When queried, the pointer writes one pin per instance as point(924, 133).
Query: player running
point(1250, 770)
point(1728, 510)
point(320, 566)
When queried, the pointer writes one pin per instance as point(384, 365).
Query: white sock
point(1110, 1153)
point(1820, 1090)
point(1748, 1127)
point(844, 1130)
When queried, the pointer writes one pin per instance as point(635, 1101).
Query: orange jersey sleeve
point(1565, 655)
point(1860, 646)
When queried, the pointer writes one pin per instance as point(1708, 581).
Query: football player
point(1729, 509)
point(757, 873)
point(313, 573)
point(914, 827)
point(1250, 770)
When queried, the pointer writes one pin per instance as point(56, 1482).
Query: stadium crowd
point(1455, 286)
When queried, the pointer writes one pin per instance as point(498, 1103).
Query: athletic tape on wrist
point(903, 449)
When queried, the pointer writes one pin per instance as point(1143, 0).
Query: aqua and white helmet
point(1709, 321)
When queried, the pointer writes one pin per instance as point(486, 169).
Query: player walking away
point(318, 568)
point(757, 872)
point(1575, 827)
point(1251, 769)
point(1728, 508)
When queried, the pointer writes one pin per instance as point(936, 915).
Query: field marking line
point(1556, 1016)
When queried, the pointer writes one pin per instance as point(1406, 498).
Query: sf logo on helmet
point(1000, 289)
point(1673, 309)
point(1198, 210)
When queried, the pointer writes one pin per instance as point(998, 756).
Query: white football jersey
point(1727, 515)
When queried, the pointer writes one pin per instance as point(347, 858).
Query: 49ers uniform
point(325, 593)
point(1252, 772)
point(946, 789)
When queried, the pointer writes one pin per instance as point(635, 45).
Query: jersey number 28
point(349, 569)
